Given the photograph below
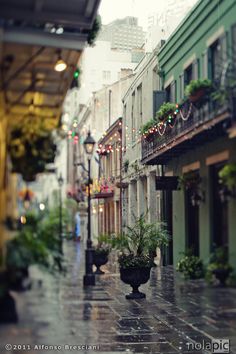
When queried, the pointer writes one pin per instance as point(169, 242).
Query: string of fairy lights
point(131, 136)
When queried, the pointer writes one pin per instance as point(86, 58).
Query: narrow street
point(59, 312)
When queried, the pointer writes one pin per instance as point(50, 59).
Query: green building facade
point(202, 140)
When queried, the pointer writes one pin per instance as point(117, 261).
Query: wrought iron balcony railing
point(192, 125)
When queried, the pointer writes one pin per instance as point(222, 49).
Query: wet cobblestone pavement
point(60, 312)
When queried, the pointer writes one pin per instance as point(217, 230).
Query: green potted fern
point(197, 90)
point(136, 246)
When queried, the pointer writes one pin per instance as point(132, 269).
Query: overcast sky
point(113, 9)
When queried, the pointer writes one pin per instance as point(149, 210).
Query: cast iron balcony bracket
point(82, 165)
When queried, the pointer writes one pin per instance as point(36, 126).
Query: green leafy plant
point(93, 33)
point(139, 241)
point(218, 261)
point(165, 109)
point(126, 165)
point(227, 176)
point(220, 96)
point(104, 244)
point(197, 85)
point(30, 151)
point(190, 180)
point(191, 266)
point(149, 125)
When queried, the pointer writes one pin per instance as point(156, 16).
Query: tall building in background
point(161, 24)
point(124, 34)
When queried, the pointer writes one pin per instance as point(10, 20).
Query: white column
point(132, 208)
point(152, 197)
point(140, 197)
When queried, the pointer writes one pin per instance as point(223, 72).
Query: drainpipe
point(121, 190)
point(109, 108)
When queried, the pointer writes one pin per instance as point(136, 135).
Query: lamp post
point(60, 183)
point(89, 277)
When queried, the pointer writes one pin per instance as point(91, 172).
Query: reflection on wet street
point(59, 312)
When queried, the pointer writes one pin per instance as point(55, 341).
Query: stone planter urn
point(222, 275)
point(135, 277)
point(100, 258)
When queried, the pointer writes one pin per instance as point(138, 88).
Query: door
point(192, 220)
point(167, 207)
point(219, 210)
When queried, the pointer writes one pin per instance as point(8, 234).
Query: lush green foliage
point(197, 85)
point(131, 261)
point(190, 180)
point(140, 240)
point(228, 175)
point(145, 127)
point(104, 244)
point(94, 31)
point(31, 151)
point(165, 109)
point(191, 266)
point(218, 260)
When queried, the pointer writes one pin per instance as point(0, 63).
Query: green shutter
point(207, 64)
point(196, 69)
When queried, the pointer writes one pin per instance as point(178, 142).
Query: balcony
point(193, 126)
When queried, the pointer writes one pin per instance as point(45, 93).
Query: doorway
point(219, 210)
point(192, 220)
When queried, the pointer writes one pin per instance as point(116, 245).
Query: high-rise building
point(124, 34)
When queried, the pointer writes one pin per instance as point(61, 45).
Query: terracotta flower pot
point(197, 96)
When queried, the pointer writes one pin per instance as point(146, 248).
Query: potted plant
point(7, 302)
point(136, 246)
point(145, 128)
point(227, 179)
point(126, 165)
point(218, 266)
point(101, 252)
point(191, 181)
point(197, 89)
point(191, 266)
point(165, 111)
point(30, 151)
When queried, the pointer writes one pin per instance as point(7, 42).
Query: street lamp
point(89, 277)
point(60, 183)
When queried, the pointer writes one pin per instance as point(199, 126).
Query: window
point(215, 60)
point(133, 117)
point(140, 105)
point(171, 92)
point(106, 75)
point(234, 42)
point(188, 74)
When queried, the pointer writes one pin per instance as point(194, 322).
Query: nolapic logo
point(218, 346)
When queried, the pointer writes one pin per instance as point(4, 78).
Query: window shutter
point(196, 69)
point(205, 63)
point(181, 85)
point(223, 47)
point(173, 91)
point(159, 97)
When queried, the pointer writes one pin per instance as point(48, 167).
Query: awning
point(33, 33)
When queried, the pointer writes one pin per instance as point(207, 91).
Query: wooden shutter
point(196, 69)
point(173, 91)
point(205, 63)
point(159, 97)
point(181, 85)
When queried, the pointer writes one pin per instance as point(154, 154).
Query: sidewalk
point(60, 312)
